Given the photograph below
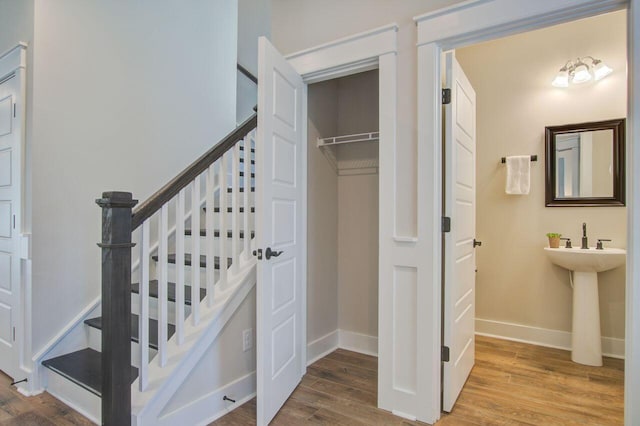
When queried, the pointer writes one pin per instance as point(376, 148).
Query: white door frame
point(376, 49)
point(14, 61)
point(476, 21)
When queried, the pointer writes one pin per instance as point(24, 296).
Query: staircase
point(174, 271)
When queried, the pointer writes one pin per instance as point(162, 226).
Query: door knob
point(268, 253)
point(476, 243)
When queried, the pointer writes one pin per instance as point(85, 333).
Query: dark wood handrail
point(247, 73)
point(147, 208)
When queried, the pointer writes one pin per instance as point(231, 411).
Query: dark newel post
point(116, 307)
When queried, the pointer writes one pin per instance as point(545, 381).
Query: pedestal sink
point(586, 346)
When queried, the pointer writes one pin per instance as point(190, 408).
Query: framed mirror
point(585, 164)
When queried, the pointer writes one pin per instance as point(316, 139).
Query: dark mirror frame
point(618, 199)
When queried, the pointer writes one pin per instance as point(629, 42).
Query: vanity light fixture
point(580, 71)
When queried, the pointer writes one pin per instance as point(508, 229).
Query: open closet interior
point(342, 275)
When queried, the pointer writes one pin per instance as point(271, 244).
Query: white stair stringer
point(165, 381)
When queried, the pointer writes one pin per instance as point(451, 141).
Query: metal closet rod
point(533, 158)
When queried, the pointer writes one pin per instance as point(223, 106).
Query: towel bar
point(533, 158)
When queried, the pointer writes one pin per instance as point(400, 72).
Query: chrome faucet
point(585, 242)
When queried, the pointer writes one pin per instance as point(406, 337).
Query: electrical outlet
point(247, 339)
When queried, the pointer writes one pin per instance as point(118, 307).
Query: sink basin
point(587, 260)
point(584, 265)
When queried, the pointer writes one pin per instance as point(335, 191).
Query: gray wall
point(125, 96)
point(254, 20)
point(516, 283)
point(322, 208)
point(343, 211)
point(301, 24)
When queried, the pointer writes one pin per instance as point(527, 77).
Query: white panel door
point(460, 206)
point(10, 169)
point(280, 186)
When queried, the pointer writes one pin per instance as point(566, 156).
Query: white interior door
point(460, 206)
point(10, 199)
point(280, 186)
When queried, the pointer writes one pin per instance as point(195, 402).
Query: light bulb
point(562, 79)
point(581, 74)
point(601, 70)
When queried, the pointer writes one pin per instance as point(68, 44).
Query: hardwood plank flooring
point(40, 410)
point(511, 384)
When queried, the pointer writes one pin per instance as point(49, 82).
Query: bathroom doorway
point(520, 295)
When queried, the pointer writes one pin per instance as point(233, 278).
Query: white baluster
point(143, 319)
point(180, 267)
point(210, 226)
point(195, 250)
point(163, 317)
point(247, 192)
point(222, 260)
point(235, 208)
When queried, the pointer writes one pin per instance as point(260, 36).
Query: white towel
point(518, 174)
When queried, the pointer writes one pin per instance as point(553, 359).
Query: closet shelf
point(350, 165)
point(358, 137)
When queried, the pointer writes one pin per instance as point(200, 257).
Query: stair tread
point(171, 258)
point(84, 368)
point(216, 233)
point(153, 329)
point(171, 290)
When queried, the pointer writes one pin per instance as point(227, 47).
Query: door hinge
point(14, 221)
point(14, 334)
point(14, 110)
point(446, 96)
point(446, 224)
point(445, 354)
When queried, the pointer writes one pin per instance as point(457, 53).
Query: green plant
point(554, 235)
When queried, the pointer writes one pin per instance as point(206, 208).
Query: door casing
point(375, 49)
point(477, 21)
point(13, 62)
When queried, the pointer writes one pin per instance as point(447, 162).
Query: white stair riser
point(228, 243)
point(153, 308)
point(228, 218)
point(95, 343)
point(75, 396)
point(172, 274)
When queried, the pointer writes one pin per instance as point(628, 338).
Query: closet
point(342, 274)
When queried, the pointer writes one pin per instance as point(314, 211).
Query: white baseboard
point(322, 347)
point(199, 412)
point(358, 342)
point(611, 347)
point(343, 339)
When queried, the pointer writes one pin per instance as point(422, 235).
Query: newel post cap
point(116, 199)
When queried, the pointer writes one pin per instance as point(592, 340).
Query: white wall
point(516, 283)
point(125, 96)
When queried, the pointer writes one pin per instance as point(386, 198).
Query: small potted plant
point(554, 239)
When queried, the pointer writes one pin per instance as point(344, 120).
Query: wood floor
point(40, 410)
point(511, 384)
